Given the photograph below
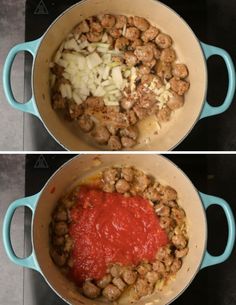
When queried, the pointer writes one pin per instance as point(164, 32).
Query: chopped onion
point(117, 76)
point(77, 98)
point(93, 60)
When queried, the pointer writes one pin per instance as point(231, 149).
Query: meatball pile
point(146, 277)
point(149, 55)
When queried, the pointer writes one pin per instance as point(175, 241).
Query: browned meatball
point(130, 59)
point(151, 63)
point(75, 111)
point(85, 123)
point(130, 20)
point(129, 276)
point(180, 70)
point(168, 193)
point(132, 117)
point(136, 43)
point(101, 135)
point(119, 283)
point(108, 21)
point(141, 182)
point(179, 86)
point(95, 103)
point(60, 215)
point(58, 240)
point(127, 173)
point(144, 268)
point(152, 277)
point(121, 21)
point(152, 194)
point(146, 79)
point(108, 188)
point(114, 143)
point(121, 43)
point(176, 265)
point(115, 33)
point(111, 292)
point(132, 33)
point(143, 69)
point(122, 186)
point(163, 41)
point(58, 258)
point(148, 100)
point(90, 290)
point(162, 209)
point(156, 51)
point(127, 142)
point(116, 270)
point(167, 223)
point(168, 55)
point(112, 129)
point(159, 267)
point(141, 287)
point(96, 27)
point(102, 283)
point(163, 69)
point(164, 114)
point(179, 241)
point(94, 36)
point(131, 132)
point(144, 53)
point(175, 101)
point(141, 23)
point(61, 228)
point(150, 34)
point(111, 175)
point(181, 253)
point(178, 214)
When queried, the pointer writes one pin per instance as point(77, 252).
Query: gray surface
point(12, 182)
point(12, 26)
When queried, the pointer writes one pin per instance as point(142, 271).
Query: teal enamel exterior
point(208, 259)
point(30, 261)
point(209, 110)
point(29, 106)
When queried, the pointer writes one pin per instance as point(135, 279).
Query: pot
point(189, 50)
point(43, 203)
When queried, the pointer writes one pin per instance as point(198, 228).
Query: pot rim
point(198, 268)
point(173, 12)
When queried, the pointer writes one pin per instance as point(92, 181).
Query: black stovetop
point(212, 174)
point(213, 21)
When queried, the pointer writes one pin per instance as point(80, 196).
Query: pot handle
point(30, 261)
point(29, 106)
point(209, 110)
point(209, 259)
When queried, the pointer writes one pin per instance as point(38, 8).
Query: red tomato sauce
point(111, 228)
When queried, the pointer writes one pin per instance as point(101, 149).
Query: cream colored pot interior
point(188, 51)
point(163, 170)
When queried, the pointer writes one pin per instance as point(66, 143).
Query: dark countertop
point(213, 21)
point(211, 174)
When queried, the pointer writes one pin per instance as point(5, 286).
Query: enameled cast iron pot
point(193, 202)
point(189, 50)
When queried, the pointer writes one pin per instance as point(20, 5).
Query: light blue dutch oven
point(194, 203)
point(189, 50)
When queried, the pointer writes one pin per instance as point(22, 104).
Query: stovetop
point(213, 21)
point(212, 174)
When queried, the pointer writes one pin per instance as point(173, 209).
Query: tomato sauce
point(111, 228)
